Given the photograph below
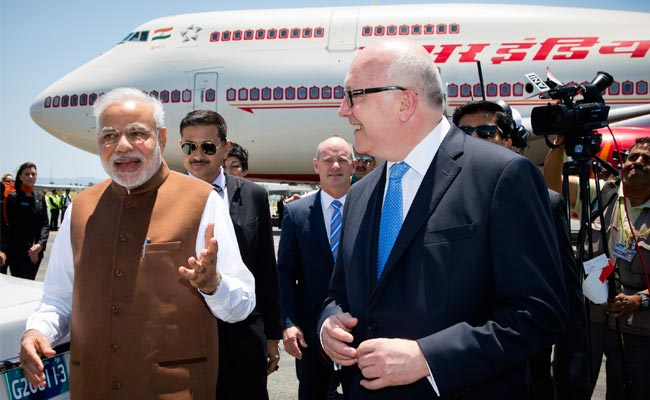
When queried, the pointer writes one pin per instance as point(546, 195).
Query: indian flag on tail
point(162, 33)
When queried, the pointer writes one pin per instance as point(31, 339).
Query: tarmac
point(283, 384)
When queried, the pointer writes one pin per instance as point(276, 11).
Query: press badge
point(627, 254)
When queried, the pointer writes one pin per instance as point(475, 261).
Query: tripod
point(583, 150)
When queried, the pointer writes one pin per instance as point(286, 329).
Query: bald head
point(406, 101)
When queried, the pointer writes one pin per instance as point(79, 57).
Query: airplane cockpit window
point(140, 36)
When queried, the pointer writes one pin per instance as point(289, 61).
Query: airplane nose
point(36, 112)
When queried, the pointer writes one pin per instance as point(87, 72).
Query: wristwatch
point(645, 301)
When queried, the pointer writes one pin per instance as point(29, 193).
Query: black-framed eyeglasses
point(208, 148)
point(348, 94)
point(363, 159)
point(482, 131)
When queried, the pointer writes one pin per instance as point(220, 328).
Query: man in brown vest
point(142, 326)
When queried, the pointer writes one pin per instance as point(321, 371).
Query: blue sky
point(42, 40)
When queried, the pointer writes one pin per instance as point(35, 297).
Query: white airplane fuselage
point(280, 95)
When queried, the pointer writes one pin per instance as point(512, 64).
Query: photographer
point(492, 121)
point(631, 303)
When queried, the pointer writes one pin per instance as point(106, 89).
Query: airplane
point(276, 75)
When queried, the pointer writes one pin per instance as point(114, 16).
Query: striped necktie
point(335, 228)
point(391, 215)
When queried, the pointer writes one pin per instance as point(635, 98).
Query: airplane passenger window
point(210, 95)
point(302, 93)
point(465, 90)
point(366, 31)
point(452, 90)
point(255, 94)
point(295, 33)
point(83, 99)
point(226, 36)
point(491, 90)
point(428, 29)
point(92, 98)
point(284, 33)
point(230, 94)
point(164, 96)
point(266, 93)
point(314, 92)
point(391, 30)
point(326, 92)
point(154, 93)
point(478, 90)
point(404, 30)
point(65, 101)
point(614, 88)
point(214, 37)
point(454, 28)
point(416, 29)
point(338, 92)
point(272, 34)
point(236, 35)
point(442, 28)
point(628, 88)
point(642, 87)
point(74, 100)
point(242, 94)
point(319, 32)
point(248, 34)
point(187, 95)
point(306, 32)
point(518, 89)
point(48, 102)
point(56, 102)
point(504, 90)
point(379, 30)
point(290, 93)
point(278, 93)
point(259, 34)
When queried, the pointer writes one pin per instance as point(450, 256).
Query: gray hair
point(127, 93)
point(419, 71)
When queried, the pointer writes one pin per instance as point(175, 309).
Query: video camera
point(575, 120)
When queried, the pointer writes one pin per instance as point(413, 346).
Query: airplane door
point(205, 91)
point(343, 30)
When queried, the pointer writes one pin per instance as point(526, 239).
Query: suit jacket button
point(117, 385)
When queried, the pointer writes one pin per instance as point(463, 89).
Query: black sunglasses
point(208, 148)
point(348, 94)
point(364, 159)
point(482, 131)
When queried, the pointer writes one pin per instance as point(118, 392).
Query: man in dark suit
point(449, 285)
point(492, 121)
point(248, 350)
point(308, 247)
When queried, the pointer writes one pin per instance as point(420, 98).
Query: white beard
point(132, 180)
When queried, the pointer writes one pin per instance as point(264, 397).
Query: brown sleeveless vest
point(140, 330)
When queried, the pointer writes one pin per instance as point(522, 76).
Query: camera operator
point(493, 122)
point(632, 302)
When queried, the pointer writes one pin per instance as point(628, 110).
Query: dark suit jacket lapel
point(317, 227)
point(441, 173)
point(234, 194)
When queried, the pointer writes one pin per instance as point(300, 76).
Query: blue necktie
point(335, 228)
point(391, 215)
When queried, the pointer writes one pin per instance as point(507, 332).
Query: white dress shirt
point(233, 301)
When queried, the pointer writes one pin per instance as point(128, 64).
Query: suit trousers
point(242, 360)
point(313, 373)
point(637, 354)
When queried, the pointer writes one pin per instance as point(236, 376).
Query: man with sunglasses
point(141, 269)
point(365, 164)
point(248, 349)
point(626, 210)
point(447, 278)
point(570, 380)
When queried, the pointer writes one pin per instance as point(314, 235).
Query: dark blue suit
point(474, 275)
point(304, 256)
